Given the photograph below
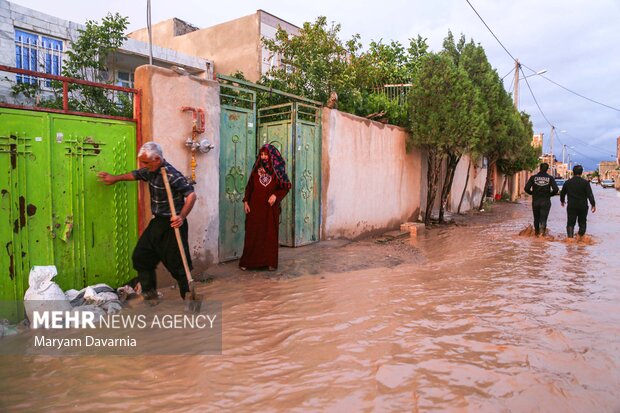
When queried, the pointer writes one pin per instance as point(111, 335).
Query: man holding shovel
point(158, 242)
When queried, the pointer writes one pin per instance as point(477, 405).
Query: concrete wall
point(232, 46)
point(164, 92)
point(474, 188)
point(369, 181)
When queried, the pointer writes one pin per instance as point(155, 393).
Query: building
point(537, 140)
point(234, 46)
point(561, 170)
point(36, 41)
point(608, 170)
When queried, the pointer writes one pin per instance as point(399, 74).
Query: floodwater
point(488, 322)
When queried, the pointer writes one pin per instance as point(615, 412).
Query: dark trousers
point(579, 214)
point(540, 208)
point(157, 244)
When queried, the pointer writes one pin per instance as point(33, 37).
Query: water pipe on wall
point(198, 127)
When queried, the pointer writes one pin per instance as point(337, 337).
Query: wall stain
point(31, 210)
point(22, 212)
point(11, 260)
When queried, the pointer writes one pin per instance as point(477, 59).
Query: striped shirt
point(179, 185)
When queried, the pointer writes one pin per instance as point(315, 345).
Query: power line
point(520, 65)
point(576, 151)
point(511, 70)
point(606, 152)
point(578, 94)
point(487, 26)
point(534, 97)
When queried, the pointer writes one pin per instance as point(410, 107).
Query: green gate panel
point(307, 182)
point(295, 130)
point(94, 225)
point(52, 208)
point(237, 155)
point(278, 134)
point(25, 207)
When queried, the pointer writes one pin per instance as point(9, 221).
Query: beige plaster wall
point(232, 46)
point(475, 185)
point(369, 181)
point(164, 92)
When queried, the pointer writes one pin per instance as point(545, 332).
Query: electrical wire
point(578, 94)
point(535, 100)
point(520, 65)
point(487, 26)
point(511, 70)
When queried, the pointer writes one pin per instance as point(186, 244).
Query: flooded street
point(479, 320)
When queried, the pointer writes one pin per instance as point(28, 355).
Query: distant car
point(560, 182)
point(607, 183)
point(595, 180)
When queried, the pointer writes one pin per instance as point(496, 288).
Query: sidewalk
point(333, 256)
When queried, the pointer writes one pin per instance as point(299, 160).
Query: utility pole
point(516, 91)
point(515, 178)
point(563, 161)
point(551, 163)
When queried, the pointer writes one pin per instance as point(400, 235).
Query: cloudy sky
point(576, 41)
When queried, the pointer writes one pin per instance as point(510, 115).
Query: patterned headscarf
point(276, 163)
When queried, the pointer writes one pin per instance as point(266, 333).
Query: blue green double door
point(294, 129)
point(52, 209)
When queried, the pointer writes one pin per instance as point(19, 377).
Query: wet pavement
point(466, 318)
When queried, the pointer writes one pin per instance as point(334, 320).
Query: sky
point(577, 42)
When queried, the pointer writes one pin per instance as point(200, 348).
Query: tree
point(91, 58)
point(314, 63)
point(444, 114)
point(473, 61)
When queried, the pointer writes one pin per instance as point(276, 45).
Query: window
point(37, 53)
point(124, 79)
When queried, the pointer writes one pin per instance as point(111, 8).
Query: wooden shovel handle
point(177, 233)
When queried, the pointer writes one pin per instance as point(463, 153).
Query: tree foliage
point(317, 63)
point(91, 58)
point(314, 63)
point(445, 119)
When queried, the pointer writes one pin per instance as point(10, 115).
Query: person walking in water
point(542, 187)
point(579, 192)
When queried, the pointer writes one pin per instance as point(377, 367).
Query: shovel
point(194, 304)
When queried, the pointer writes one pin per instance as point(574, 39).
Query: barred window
point(37, 53)
point(124, 79)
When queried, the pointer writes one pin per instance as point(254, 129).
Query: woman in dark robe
point(267, 186)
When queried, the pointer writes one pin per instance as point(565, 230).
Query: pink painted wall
point(164, 92)
point(369, 181)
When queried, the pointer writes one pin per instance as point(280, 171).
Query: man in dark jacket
point(542, 187)
point(579, 192)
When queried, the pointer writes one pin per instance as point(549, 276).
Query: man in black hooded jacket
point(542, 187)
point(579, 192)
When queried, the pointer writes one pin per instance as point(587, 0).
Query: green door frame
point(237, 153)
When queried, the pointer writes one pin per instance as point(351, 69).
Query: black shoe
point(570, 232)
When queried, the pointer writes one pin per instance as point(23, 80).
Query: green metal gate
point(295, 129)
point(52, 208)
point(237, 154)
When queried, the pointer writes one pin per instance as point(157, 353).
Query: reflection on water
point(491, 322)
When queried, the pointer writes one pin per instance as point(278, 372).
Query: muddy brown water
point(488, 322)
